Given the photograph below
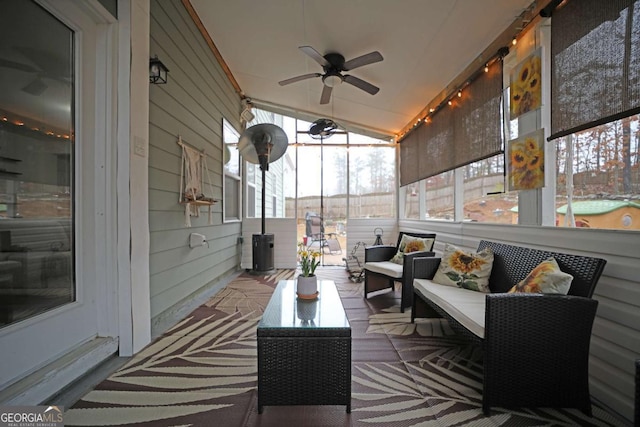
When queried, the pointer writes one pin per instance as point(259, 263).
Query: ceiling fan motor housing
point(336, 60)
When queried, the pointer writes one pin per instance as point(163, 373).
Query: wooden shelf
point(199, 202)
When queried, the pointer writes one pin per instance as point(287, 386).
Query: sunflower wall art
point(526, 161)
point(526, 88)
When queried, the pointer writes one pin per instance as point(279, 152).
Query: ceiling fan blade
point(315, 55)
point(326, 94)
point(369, 58)
point(361, 84)
point(297, 79)
point(17, 66)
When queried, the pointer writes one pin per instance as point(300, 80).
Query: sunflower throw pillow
point(546, 278)
point(469, 270)
point(410, 244)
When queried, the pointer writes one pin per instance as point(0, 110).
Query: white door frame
point(44, 340)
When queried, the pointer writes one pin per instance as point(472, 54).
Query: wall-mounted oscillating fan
point(322, 128)
point(333, 65)
point(263, 144)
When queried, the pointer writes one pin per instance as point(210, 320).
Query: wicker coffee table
point(304, 349)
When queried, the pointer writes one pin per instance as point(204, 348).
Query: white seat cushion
point(464, 305)
point(387, 268)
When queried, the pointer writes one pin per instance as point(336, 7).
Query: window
point(412, 201)
point(484, 196)
point(232, 174)
point(325, 175)
point(439, 194)
point(598, 171)
point(594, 115)
point(372, 179)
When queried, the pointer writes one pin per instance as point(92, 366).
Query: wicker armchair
point(536, 347)
point(385, 277)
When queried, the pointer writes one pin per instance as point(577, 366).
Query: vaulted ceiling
point(425, 45)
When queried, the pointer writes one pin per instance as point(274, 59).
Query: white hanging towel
point(190, 180)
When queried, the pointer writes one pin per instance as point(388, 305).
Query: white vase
point(307, 287)
point(306, 311)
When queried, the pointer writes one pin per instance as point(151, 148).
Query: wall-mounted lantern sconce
point(157, 71)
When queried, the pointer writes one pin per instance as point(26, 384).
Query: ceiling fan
point(47, 66)
point(333, 65)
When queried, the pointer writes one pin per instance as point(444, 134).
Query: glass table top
point(286, 310)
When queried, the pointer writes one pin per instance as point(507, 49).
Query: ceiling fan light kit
point(332, 80)
point(333, 64)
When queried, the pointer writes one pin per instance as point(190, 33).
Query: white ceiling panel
point(425, 45)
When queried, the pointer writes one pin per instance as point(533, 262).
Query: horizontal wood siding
point(361, 230)
point(615, 343)
point(191, 105)
point(285, 240)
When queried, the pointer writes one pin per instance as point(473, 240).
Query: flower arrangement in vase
point(307, 283)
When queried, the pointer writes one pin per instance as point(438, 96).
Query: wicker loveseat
point(535, 346)
point(381, 273)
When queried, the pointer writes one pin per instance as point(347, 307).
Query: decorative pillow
point(410, 244)
point(546, 278)
point(469, 270)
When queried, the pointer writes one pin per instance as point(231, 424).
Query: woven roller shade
point(465, 132)
point(595, 60)
point(409, 171)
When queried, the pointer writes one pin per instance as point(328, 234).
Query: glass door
point(48, 295)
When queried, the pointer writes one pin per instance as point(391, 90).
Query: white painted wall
point(284, 239)
point(362, 230)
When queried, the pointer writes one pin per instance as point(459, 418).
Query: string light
point(36, 127)
point(525, 20)
point(502, 52)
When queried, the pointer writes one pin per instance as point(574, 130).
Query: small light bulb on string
point(486, 68)
point(449, 102)
point(460, 93)
point(514, 41)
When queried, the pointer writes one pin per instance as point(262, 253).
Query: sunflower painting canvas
point(526, 89)
point(526, 161)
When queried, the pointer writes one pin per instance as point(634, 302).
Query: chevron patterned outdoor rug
point(203, 372)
